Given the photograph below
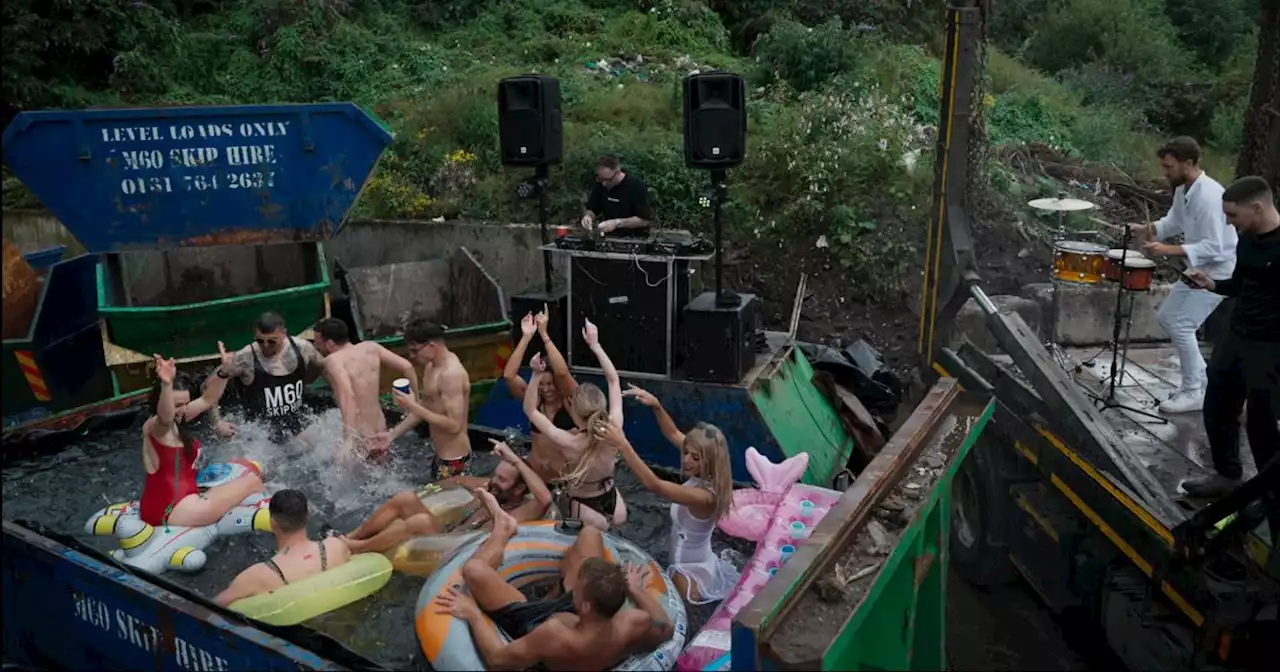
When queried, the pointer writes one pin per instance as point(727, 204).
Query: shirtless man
point(272, 372)
point(446, 393)
point(296, 558)
point(516, 487)
point(586, 627)
point(361, 366)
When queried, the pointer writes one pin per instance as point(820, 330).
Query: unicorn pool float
point(778, 515)
point(157, 548)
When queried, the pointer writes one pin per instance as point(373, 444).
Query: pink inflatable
point(778, 516)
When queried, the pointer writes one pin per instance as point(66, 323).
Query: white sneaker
point(1184, 401)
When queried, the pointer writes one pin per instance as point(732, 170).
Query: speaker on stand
point(531, 133)
point(718, 344)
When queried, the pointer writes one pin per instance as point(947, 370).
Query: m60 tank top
point(277, 400)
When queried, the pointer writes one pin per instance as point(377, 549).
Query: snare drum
point(1138, 274)
point(1111, 268)
point(1078, 262)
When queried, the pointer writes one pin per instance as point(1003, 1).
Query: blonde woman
point(696, 505)
point(589, 475)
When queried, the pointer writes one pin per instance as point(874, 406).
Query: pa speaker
point(530, 127)
point(715, 120)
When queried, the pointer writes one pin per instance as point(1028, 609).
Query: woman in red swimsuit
point(169, 494)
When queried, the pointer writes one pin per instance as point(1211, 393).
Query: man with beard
point(272, 371)
point(360, 365)
point(1209, 246)
point(519, 491)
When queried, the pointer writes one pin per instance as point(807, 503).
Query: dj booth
point(638, 294)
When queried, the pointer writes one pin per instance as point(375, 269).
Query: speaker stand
point(720, 191)
point(544, 214)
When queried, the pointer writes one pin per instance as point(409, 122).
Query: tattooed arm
point(312, 360)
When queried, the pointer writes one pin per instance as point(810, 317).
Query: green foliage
point(842, 107)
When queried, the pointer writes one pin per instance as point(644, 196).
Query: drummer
point(1209, 246)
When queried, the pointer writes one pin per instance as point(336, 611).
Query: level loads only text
point(220, 156)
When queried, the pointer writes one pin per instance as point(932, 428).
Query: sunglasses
point(708, 430)
point(267, 341)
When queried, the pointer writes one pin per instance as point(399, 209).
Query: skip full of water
point(62, 490)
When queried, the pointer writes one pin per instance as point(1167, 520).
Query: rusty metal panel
point(141, 178)
point(21, 291)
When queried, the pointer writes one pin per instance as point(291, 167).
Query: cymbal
point(1061, 204)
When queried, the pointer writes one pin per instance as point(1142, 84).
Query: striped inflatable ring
point(534, 554)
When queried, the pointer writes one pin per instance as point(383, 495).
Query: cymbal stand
point(1120, 359)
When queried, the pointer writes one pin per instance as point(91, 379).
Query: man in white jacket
point(1209, 245)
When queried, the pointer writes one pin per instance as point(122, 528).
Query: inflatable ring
point(534, 554)
point(157, 549)
point(359, 577)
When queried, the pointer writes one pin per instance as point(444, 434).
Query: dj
point(619, 203)
point(1209, 246)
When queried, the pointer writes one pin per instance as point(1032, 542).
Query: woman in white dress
point(696, 505)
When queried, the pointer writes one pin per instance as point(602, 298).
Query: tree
point(1260, 151)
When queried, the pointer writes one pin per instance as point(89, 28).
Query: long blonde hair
point(589, 403)
point(708, 443)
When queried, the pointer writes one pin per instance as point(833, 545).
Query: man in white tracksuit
point(1209, 245)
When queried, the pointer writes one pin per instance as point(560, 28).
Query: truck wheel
point(978, 553)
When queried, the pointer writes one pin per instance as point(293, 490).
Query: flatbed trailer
point(1054, 492)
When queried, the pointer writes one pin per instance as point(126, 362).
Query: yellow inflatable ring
point(357, 578)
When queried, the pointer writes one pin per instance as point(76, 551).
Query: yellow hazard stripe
point(30, 371)
point(141, 537)
point(179, 555)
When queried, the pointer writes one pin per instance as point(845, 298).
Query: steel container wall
point(146, 178)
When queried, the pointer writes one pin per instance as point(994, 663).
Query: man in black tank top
point(272, 371)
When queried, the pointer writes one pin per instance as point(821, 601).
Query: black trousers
point(1242, 373)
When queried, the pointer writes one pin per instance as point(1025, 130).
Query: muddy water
point(63, 490)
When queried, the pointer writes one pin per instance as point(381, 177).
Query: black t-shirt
point(1256, 286)
point(629, 198)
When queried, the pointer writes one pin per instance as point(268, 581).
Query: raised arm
point(539, 420)
point(665, 423)
point(214, 386)
point(166, 369)
point(591, 334)
point(400, 365)
point(541, 493)
point(555, 361)
point(511, 372)
point(700, 500)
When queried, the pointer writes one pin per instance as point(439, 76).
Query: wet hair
point(603, 585)
point(181, 382)
point(708, 443)
point(1182, 149)
point(608, 161)
point(589, 403)
point(269, 323)
point(423, 331)
point(1247, 190)
point(333, 329)
point(289, 510)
